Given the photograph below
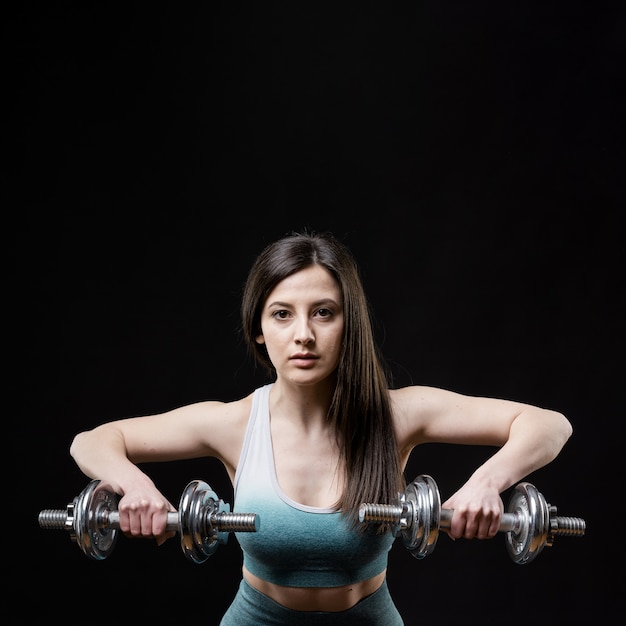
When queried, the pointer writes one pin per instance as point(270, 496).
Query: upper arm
point(428, 414)
point(202, 429)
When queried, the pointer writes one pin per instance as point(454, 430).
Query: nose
point(304, 334)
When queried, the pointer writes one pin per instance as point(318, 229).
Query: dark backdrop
point(468, 153)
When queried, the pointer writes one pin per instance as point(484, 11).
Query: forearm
point(536, 437)
point(101, 454)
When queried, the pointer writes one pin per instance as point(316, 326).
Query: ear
point(260, 339)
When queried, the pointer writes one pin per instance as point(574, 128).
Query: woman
point(326, 434)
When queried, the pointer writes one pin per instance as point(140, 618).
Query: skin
point(302, 324)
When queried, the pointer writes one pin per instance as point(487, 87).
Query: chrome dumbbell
point(530, 523)
point(203, 521)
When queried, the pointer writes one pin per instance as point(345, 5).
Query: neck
point(308, 404)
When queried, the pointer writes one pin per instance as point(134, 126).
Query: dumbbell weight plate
point(197, 502)
point(88, 520)
point(531, 533)
point(421, 531)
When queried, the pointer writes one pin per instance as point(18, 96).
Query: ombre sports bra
point(296, 545)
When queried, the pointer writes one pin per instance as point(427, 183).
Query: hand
point(477, 512)
point(143, 513)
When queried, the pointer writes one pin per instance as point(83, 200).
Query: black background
point(469, 153)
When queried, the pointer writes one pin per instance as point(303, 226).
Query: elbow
point(75, 446)
point(569, 428)
point(566, 427)
point(80, 446)
point(562, 429)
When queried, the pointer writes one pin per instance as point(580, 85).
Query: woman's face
point(302, 326)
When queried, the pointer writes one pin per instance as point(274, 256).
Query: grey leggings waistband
point(253, 607)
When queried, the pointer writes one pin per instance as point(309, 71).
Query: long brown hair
point(360, 410)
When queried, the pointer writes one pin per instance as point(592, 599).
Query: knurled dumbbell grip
point(514, 522)
point(111, 519)
point(397, 512)
point(508, 521)
point(222, 521)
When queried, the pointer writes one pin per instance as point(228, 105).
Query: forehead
point(311, 283)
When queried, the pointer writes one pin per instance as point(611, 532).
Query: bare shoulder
point(210, 428)
point(417, 408)
point(221, 419)
point(226, 429)
point(417, 399)
point(220, 412)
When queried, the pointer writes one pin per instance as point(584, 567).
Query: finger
point(488, 524)
point(471, 528)
point(159, 520)
point(494, 526)
point(458, 525)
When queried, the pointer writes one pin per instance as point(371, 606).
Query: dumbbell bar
point(530, 523)
point(203, 521)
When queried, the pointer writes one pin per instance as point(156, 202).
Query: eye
point(281, 314)
point(324, 313)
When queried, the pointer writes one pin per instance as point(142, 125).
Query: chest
point(308, 469)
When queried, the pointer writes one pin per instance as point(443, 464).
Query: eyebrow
point(321, 302)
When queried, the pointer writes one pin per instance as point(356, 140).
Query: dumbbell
point(203, 521)
point(530, 523)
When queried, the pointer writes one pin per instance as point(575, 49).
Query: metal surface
point(202, 520)
point(198, 537)
point(423, 517)
point(530, 523)
point(89, 528)
point(533, 514)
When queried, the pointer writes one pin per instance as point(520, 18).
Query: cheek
point(268, 337)
point(336, 342)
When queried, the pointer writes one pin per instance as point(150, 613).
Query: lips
point(304, 358)
point(303, 355)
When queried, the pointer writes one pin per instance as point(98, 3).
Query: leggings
point(253, 607)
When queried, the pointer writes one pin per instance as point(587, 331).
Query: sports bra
point(296, 545)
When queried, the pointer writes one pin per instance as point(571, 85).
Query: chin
point(307, 379)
